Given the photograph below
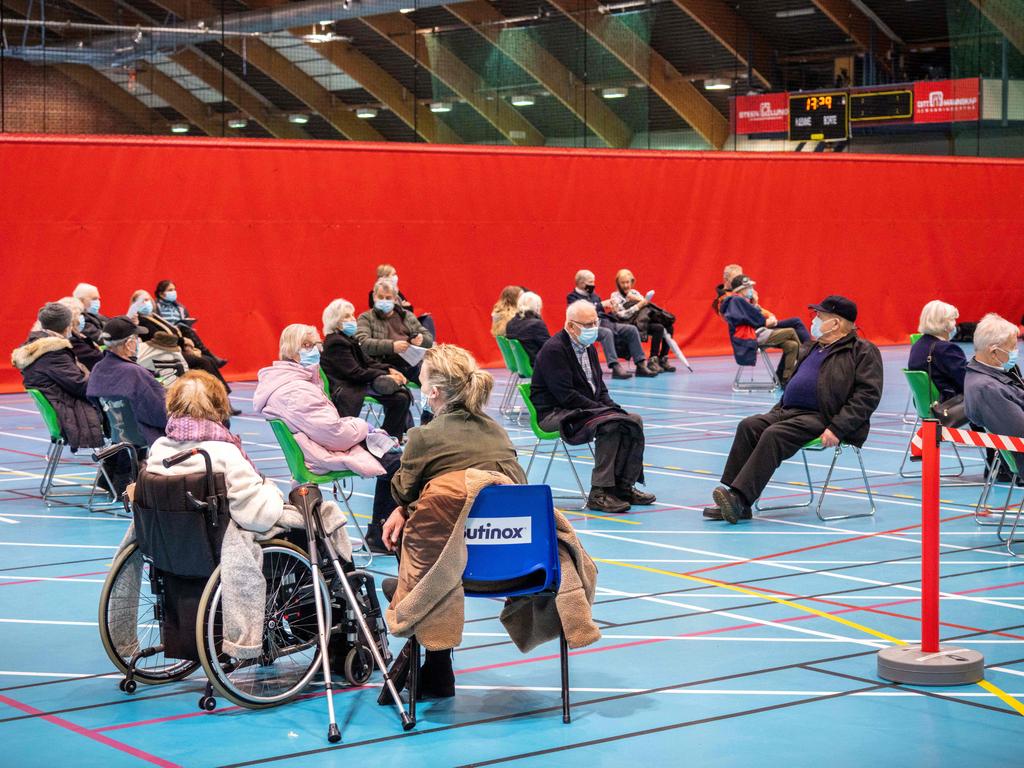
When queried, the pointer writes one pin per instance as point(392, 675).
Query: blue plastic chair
point(512, 551)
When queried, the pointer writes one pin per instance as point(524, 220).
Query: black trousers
point(658, 334)
point(383, 503)
point(396, 411)
point(619, 453)
point(762, 443)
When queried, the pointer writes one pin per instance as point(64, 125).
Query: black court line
point(598, 700)
point(63, 562)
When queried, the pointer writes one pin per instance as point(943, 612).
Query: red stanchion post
point(930, 462)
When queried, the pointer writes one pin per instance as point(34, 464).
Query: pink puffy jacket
point(294, 394)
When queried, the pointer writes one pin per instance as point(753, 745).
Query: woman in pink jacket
point(291, 390)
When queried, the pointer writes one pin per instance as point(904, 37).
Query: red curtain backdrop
point(259, 234)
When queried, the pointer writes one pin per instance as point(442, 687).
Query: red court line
point(38, 581)
point(89, 734)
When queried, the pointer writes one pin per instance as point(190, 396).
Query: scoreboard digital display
point(881, 106)
point(819, 116)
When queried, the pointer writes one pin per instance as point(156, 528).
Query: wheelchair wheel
point(291, 652)
point(128, 623)
point(358, 665)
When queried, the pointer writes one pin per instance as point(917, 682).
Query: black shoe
point(730, 504)
point(600, 500)
point(389, 586)
point(375, 540)
point(665, 365)
point(644, 371)
point(618, 372)
point(236, 412)
point(220, 362)
point(437, 678)
point(714, 513)
point(634, 495)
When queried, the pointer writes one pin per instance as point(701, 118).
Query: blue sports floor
point(688, 673)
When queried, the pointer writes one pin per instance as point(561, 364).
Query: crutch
point(678, 352)
point(307, 498)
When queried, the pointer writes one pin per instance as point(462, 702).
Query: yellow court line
point(985, 684)
point(599, 517)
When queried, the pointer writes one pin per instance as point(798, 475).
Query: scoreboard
point(819, 116)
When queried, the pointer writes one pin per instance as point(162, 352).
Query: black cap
point(120, 328)
point(742, 281)
point(837, 305)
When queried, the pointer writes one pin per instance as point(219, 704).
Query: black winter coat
point(349, 372)
point(849, 386)
point(47, 363)
point(85, 350)
point(558, 382)
point(530, 331)
point(93, 325)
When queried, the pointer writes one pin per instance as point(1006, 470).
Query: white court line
point(51, 623)
point(729, 692)
point(59, 546)
point(19, 410)
point(68, 675)
point(59, 579)
point(26, 437)
point(91, 517)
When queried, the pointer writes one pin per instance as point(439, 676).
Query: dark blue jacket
point(743, 319)
point(114, 376)
point(558, 382)
point(949, 364)
point(530, 331)
point(994, 399)
point(573, 296)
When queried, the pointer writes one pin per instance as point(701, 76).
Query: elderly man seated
point(725, 288)
point(993, 388)
point(117, 375)
point(89, 295)
point(833, 392)
point(570, 396)
point(610, 331)
point(751, 327)
point(388, 331)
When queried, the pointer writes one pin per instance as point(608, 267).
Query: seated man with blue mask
point(571, 398)
point(751, 326)
point(993, 387)
point(387, 332)
point(832, 394)
point(92, 325)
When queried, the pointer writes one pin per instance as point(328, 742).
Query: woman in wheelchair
point(291, 390)
point(461, 436)
point(207, 573)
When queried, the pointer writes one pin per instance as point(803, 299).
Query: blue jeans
point(626, 335)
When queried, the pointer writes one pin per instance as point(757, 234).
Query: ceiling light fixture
point(523, 100)
point(440, 106)
point(717, 84)
point(615, 93)
point(298, 118)
point(237, 123)
point(406, 10)
point(366, 113)
point(794, 13)
point(179, 127)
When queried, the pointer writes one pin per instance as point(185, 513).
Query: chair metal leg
point(907, 409)
point(563, 652)
point(533, 455)
point(867, 489)
point(810, 491)
point(906, 457)
point(1011, 539)
point(572, 466)
point(982, 512)
point(753, 385)
point(53, 456)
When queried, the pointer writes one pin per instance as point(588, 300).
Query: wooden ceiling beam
point(441, 63)
point(722, 22)
point(859, 27)
point(560, 82)
point(636, 54)
point(1006, 16)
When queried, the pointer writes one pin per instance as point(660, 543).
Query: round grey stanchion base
point(952, 665)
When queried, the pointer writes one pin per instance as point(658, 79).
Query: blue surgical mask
point(816, 327)
point(425, 402)
point(146, 307)
point(749, 293)
point(171, 296)
point(1011, 360)
point(349, 328)
point(588, 336)
point(384, 306)
point(953, 332)
point(94, 306)
point(81, 323)
point(309, 357)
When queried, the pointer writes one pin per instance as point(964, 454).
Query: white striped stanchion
point(930, 663)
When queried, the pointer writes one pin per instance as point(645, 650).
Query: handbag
point(951, 412)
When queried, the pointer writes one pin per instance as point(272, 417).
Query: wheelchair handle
point(180, 457)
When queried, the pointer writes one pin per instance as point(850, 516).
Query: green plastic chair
point(923, 393)
point(326, 382)
point(508, 357)
point(816, 445)
point(542, 436)
point(906, 409)
point(983, 515)
point(523, 365)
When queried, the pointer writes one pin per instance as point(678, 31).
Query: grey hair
point(384, 282)
point(76, 309)
point(83, 288)
point(529, 302)
point(291, 340)
point(992, 331)
point(583, 274)
point(936, 318)
point(54, 316)
point(575, 308)
point(333, 313)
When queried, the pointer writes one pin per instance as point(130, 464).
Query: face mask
point(587, 336)
point(309, 357)
point(953, 332)
point(349, 328)
point(146, 308)
point(425, 402)
point(816, 327)
point(589, 289)
point(81, 323)
point(749, 293)
point(94, 306)
point(384, 306)
point(171, 296)
point(1011, 360)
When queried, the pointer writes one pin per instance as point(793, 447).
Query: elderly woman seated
point(291, 390)
point(993, 388)
point(631, 306)
point(526, 326)
point(935, 353)
point(505, 309)
point(85, 350)
point(352, 375)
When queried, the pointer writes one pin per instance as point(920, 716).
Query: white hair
point(384, 282)
point(993, 331)
point(291, 340)
point(937, 318)
point(578, 306)
point(333, 313)
point(76, 309)
point(83, 289)
point(529, 302)
point(583, 275)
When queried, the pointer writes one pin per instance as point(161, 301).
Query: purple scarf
point(185, 429)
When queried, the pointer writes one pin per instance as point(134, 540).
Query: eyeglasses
point(594, 324)
point(310, 346)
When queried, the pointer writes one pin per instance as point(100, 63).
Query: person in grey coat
point(387, 330)
point(993, 387)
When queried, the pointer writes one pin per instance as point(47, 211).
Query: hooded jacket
point(743, 319)
point(330, 443)
point(47, 363)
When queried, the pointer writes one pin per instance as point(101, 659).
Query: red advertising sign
point(767, 113)
point(946, 101)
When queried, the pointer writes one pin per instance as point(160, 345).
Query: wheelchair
point(161, 606)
